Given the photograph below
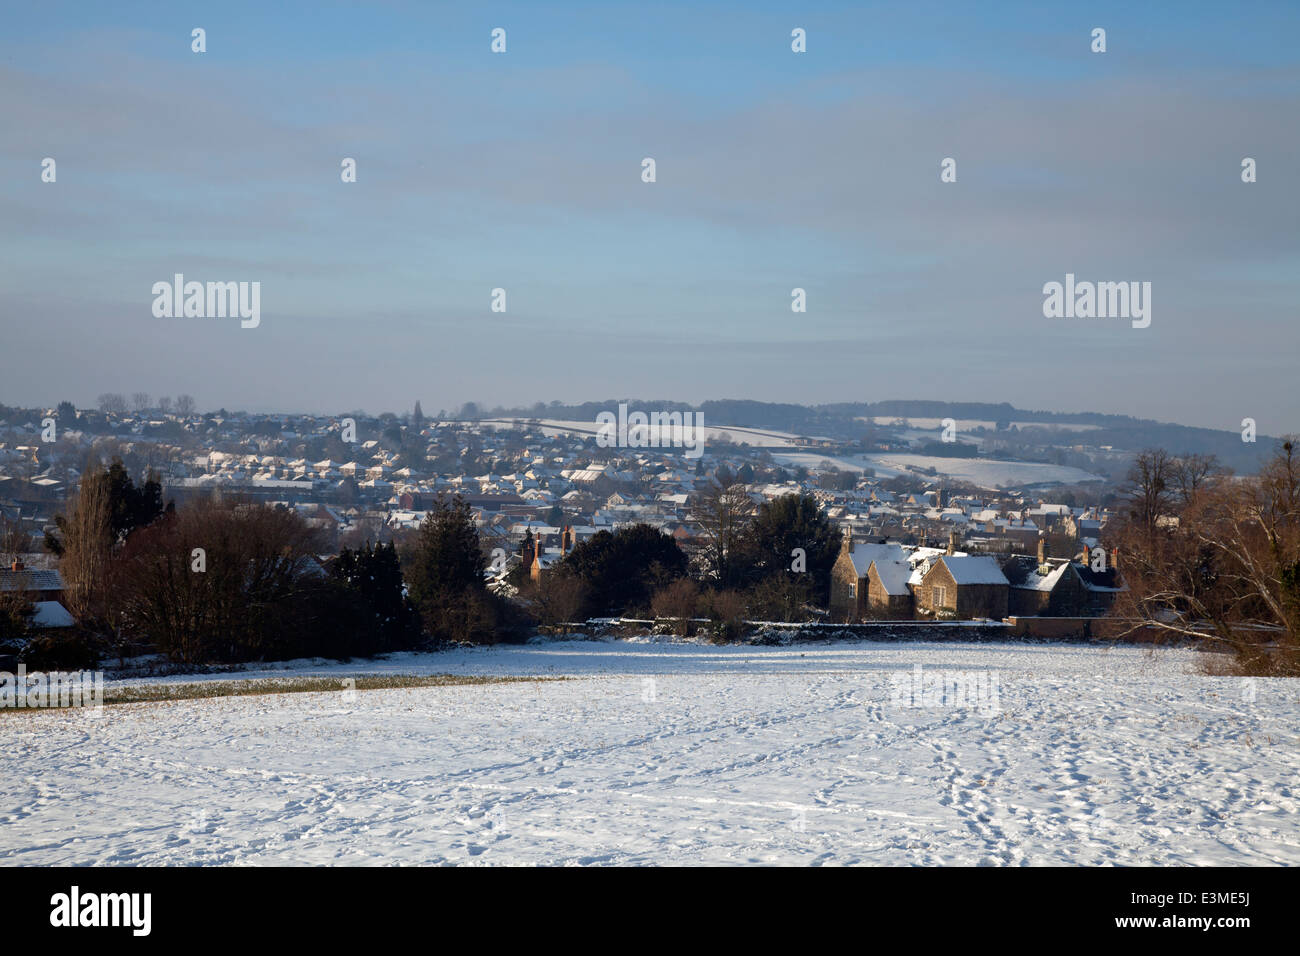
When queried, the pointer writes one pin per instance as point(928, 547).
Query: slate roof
point(30, 579)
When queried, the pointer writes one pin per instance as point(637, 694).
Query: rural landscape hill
point(853, 421)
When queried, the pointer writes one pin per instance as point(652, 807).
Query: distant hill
point(845, 421)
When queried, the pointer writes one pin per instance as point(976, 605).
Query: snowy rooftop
point(974, 569)
point(893, 575)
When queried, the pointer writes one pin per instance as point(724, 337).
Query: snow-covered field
point(679, 754)
point(985, 472)
point(661, 437)
point(969, 424)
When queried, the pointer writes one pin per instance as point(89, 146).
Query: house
point(1048, 589)
point(37, 583)
point(1053, 588)
point(412, 501)
point(44, 588)
point(1101, 580)
point(888, 591)
point(543, 561)
point(963, 586)
point(851, 595)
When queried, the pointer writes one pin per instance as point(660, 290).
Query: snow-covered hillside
point(657, 437)
point(984, 472)
point(679, 753)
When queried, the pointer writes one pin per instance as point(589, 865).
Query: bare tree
point(1191, 473)
point(85, 546)
point(14, 541)
point(219, 581)
point(165, 404)
point(722, 510)
point(184, 405)
point(559, 598)
point(679, 601)
point(140, 401)
point(726, 611)
point(1149, 487)
point(1229, 571)
point(112, 403)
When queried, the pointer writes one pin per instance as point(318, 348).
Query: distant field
point(983, 472)
point(967, 424)
point(757, 437)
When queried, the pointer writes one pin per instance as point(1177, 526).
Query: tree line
point(225, 580)
point(770, 561)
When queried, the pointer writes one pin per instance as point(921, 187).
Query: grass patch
point(199, 690)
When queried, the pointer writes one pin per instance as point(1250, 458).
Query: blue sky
point(775, 170)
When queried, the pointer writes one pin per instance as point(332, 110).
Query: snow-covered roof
point(893, 575)
point(51, 614)
point(863, 554)
point(974, 569)
point(1045, 582)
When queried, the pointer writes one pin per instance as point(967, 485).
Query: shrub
point(251, 599)
point(61, 650)
point(680, 601)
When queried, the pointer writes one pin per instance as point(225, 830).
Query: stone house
point(963, 586)
point(851, 588)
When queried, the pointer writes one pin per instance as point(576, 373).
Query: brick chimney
point(954, 541)
point(17, 565)
point(566, 539)
point(1114, 559)
point(1042, 550)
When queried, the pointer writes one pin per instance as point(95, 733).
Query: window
point(940, 596)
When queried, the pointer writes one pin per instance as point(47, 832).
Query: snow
point(740, 435)
point(864, 553)
point(1044, 582)
point(51, 614)
point(970, 424)
point(893, 575)
point(974, 569)
point(678, 753)
point(986, 473)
